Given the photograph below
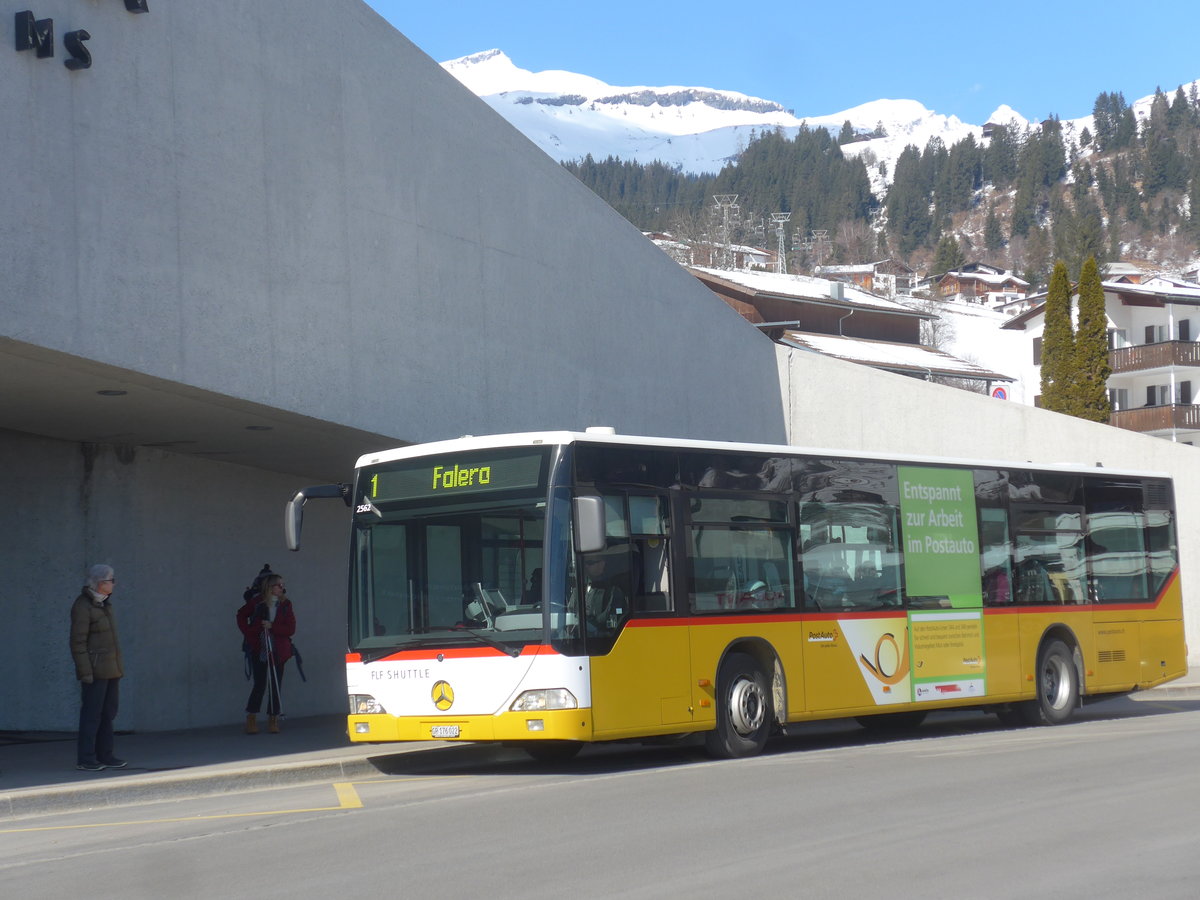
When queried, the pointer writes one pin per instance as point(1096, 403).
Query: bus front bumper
point(553, 725)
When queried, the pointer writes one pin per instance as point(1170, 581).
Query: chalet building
point(979, 283)
point(704, 253)
point(888, 277)
point(1021, 304)
point(1126, 273)
point(834, 319)
point(1154, 341)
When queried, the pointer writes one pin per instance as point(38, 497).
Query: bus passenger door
point(641, 664)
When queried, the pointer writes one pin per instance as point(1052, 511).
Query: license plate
point(444, 731)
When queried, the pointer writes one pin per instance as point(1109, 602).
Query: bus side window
point(849, 556)
point(1049, 555)
point(648, 529)
point(995, 559)
point(739, 552)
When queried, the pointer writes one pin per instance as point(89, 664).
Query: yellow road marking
point(347, 795)
point(347, 799)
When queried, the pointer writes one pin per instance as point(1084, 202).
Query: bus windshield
point(450, 559)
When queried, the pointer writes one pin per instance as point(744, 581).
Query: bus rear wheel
point(1057, 687)
point(743, 709)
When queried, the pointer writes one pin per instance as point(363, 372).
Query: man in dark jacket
point(98, 667)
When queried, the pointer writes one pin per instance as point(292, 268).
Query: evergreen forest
point(1128, 189)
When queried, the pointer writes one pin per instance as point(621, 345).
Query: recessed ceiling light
point(260, 427)
point(112, 392)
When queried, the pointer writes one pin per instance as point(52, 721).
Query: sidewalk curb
point(134, 789)
point(1170, 691)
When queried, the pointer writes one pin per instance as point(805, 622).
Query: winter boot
point(273, 724)
point(251, 724)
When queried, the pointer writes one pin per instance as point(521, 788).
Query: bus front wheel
point(743, 709)
point(1057, 686)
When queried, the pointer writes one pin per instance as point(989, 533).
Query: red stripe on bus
point(453, 653)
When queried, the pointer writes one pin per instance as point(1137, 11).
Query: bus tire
point(1057, 686)
point(743, 709)
point(553, 751)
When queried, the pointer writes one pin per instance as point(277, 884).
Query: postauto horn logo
point(443, 695)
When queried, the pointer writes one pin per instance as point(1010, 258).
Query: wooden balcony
point(1154, 356)
point(1157, 418)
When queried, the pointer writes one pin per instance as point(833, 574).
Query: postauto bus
point(552, 589)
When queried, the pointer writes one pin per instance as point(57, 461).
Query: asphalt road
point(1106, 806)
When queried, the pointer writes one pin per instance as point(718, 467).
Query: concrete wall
point(286, 201)
point(833, 404)
point(185, 537)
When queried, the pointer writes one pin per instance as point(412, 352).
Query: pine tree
point(908, 215)
point(948, 257)
point(1024, 209)
point(1080, 236)
point(993, 234)
point(1089, 385)
point(1000, 157)
point(1058, 342)
point(1194, 206)
point(1037, 257)
point(1102, 119)
point(1181, 112)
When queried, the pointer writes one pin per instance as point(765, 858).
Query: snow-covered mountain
point(699, 129)
point(695, 129)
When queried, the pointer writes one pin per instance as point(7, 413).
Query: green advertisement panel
point(941, 537)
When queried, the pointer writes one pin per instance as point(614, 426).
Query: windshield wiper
point(374, 654)
point(458, 636)
point(499, 645)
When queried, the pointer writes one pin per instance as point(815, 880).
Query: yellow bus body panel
point(557, 724)
point(660, 677)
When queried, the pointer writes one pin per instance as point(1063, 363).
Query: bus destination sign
point(456, 476)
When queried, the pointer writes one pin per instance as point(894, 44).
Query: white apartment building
point(1153, 329)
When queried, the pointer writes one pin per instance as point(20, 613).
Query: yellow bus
point(552, 589)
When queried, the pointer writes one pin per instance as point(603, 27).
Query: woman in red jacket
point(268, 623)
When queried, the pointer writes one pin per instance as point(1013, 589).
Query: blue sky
point(1038, 56)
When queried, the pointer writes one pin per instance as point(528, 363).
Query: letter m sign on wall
point(35, 34)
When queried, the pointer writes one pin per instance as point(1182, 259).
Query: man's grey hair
point(97, 574)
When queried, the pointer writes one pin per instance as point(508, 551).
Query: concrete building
point(247, 242)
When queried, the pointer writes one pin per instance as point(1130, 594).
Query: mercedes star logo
point(443, 695)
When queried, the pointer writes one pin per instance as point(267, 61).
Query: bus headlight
point(548, 698)
point(365, 705)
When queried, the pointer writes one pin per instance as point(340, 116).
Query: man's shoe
point(114, 763)
point(90, 766)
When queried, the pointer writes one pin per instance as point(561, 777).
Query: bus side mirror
point(293, 514)
point(589, 524)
